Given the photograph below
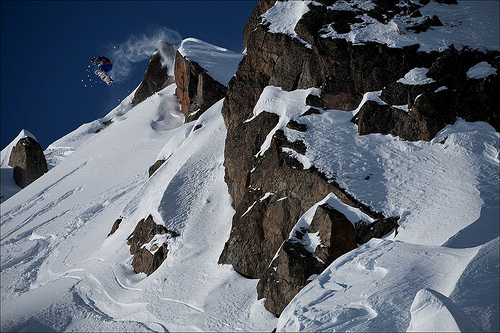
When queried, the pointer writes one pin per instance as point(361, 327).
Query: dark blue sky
point(46, 47)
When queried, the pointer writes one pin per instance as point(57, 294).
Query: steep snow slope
point(59, 272)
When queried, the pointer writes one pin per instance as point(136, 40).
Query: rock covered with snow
point(313, 244)
point(148, 245)
point(385, 63)
point(202, 71)
point(8, 149)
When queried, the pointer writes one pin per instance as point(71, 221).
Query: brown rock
point(376, 118)
point(294, 264)
point(144, 232)
point(156, 76)
point(377, 229)
point(28, 161)
point(196, 90)
point(155, 166)
point(335, 231)
point(115, 226)
point(343, 73)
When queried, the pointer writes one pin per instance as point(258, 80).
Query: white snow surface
point(481, 71)
point(416, 76)
point(284, 16)
point(220, 63)
point(446, 193)
point(470, 23)
point(371, 288)
point(59, 270)
point(431, 311)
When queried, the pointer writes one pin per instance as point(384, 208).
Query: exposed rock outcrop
point(157, 75)
point(376, 229)
point(271, 191)
point(296, 262)
point(155, 166)
point(115, 226)
point(147, 245)
point(28, 161)
point(196, 90)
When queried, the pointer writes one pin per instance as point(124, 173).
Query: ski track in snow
point(65, 217)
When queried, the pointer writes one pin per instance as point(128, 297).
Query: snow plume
point(138, 48)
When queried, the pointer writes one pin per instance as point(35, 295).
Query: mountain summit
point(340, 174)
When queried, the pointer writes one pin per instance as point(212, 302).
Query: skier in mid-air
point(104, 66)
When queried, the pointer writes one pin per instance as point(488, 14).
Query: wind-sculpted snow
point(220, 63)
point(438, 188)
point(446, 192)
point(363, 289)
point(61, 273)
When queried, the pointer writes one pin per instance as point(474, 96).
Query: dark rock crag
point(147, 260)
point(294, 265)
point(271, 192)
point(196, 90)
point(156, 165)
point(28, 161)
point(157, 75)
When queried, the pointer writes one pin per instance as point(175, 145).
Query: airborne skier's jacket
point(104, 63)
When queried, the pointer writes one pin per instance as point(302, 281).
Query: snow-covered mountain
point(241, 185)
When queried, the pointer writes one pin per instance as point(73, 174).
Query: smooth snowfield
point(60, 272)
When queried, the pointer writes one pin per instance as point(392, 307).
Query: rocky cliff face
point(157, 75)
point(28, 161)
point(271, 191)
point(196, 90)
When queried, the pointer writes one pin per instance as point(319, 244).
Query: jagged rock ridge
point(156, 76)
point(343, 72)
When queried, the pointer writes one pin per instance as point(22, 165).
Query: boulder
point(28, 161)
point(376, 118)
point(115, 226)
point(196, 90)
point(157, 75)
point(155, 166)
point(148, 255)
point(376, 229)
point(295, 263)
